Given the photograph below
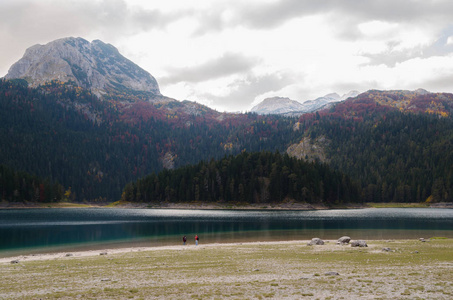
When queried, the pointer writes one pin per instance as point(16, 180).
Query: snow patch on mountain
point(286, 106)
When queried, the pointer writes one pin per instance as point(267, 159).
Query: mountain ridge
point(288, 107)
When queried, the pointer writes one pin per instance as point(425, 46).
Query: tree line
point(258, 177)
point(17, 186)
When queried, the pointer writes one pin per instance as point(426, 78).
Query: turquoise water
point(38, 230)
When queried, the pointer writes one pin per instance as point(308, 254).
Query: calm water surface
point(46, 230)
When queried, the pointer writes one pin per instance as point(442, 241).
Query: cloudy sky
point(231, 54)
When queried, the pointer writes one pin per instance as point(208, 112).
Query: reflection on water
point(23, 229)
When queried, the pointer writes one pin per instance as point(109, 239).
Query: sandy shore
point(411, 269)
point(110, 251)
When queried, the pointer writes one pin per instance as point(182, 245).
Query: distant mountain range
point(100, 68)
point(288, 107)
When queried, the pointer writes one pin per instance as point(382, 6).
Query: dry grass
point(289, 270)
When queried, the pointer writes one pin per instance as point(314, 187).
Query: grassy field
point(287, 270)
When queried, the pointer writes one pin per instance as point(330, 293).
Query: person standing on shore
point(196, 240)
point(184, 240)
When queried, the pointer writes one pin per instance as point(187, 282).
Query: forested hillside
point(398, 146)
point(262, 177)
point(62, 132)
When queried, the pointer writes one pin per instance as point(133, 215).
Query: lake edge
point(220, 205)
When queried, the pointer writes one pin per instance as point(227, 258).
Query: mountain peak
point(332, 96)
point(286, 106)
point(421, 92)
point(96, 66)
point(276, 105)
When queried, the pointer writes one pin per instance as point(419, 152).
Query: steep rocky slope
point(96, 66)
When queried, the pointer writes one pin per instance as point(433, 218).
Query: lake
point(25, 231)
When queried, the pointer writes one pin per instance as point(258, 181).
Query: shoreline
point(123, 250)
point(89, 252)
point(219, 205)
point(110, 251)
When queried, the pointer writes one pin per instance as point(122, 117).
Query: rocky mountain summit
point(313, 105)
point(96, 66)
point(277, 105)
point(288, 107)
point(99, 68)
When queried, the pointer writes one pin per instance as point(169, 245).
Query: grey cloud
point(262, 16)
point(276, 13)
point(439, 83)
point(359, 11)
point(243, 91)
point(24, 23)
point(391, 57)
point(227, 64)
point(344, 15)
point(42, 17)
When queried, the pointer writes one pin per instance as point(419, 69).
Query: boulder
point(344, 240)
point(359, 243)
point(332, 274)
point(15, 261)
point(386, 249)
point(316, 241)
